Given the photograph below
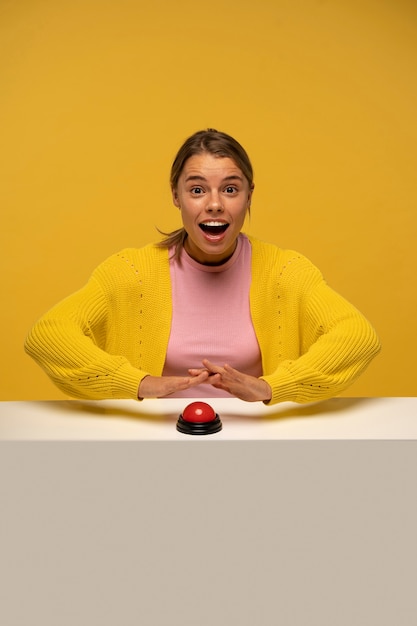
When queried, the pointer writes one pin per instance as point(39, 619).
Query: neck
point(208, 262)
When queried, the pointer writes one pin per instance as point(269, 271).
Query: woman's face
point(213, 196)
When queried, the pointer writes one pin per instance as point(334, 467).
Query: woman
point(208, 311)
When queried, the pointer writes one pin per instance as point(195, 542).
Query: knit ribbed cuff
point(126, 381)
point(283, 386)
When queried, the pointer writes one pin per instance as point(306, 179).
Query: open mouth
point(213, 227)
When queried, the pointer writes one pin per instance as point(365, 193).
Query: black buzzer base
point(199, 428)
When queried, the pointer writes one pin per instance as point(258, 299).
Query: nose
point(214, 204)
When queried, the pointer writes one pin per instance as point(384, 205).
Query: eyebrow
point(227, 178)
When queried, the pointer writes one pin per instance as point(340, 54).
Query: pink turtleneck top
point(211, 318)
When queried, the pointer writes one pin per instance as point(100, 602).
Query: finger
point(220, 385)
point(198, 379)
point(194, 371)
point(204, 376)
point(214, 379)
point(216, 369)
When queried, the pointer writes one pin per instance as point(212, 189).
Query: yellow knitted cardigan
point(101, 341)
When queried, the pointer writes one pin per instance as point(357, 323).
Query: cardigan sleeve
point(69, 344)
point(335, 345)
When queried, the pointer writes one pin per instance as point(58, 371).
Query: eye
point(231, 189)
point(197, 190)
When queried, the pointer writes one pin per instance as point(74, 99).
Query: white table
point(291, 515)
point(339, 418)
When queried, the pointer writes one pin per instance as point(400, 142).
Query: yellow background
point(96, 96)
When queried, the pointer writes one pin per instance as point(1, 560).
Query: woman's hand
point(161, 386)
point(240, 385)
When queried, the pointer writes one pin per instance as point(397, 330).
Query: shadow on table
point(326, 408)
point(104, 409)
point(330, 409)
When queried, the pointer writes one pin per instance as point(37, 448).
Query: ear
point(252, 187)
point(175, 198)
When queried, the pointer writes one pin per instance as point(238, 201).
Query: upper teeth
point(214, 223)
